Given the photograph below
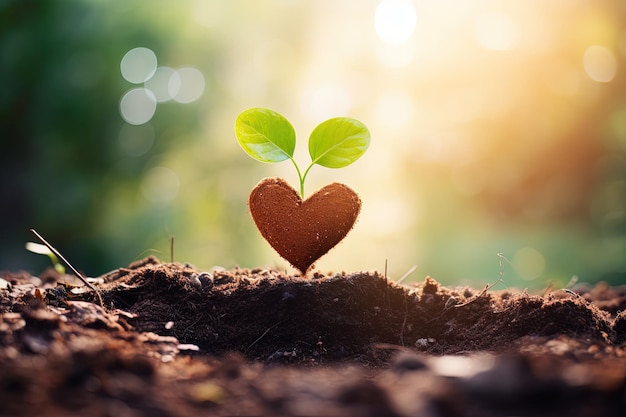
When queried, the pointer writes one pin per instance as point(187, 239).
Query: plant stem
point(304, 176)
point(300, 177)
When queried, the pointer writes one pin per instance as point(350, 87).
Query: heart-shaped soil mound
point(303, 231)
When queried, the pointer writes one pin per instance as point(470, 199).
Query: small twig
point(385, 269)
point(571, 283)
point(260, 337)
point(409, 272)
point(573, 280)
point(547, 290)
point(389, 346)
point(78, 274)
point(488, 286)
point(567, 290)
point(386, 286)
point(172, 249)
point(403, 322)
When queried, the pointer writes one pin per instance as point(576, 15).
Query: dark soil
point(174, 341)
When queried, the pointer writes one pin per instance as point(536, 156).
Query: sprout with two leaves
point(267, 136)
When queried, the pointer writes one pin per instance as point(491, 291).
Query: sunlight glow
point(396, 56)
point(496, 31)
point(564, 79)
point(600, 63)
point(388, 217)
point(326, 101)
point(484, 115)
point(529, 263)
point(160, 185)
point(395, 110)
point(395, 20)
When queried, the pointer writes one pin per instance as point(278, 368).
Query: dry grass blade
point(78, 274)
point(488, 286)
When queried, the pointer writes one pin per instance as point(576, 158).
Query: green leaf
point(265, 135)
point(338, 142)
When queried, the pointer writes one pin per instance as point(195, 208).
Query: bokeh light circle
point(395, 20)
point(138, 106)
point(600, 63)
point(138, 65)
point(159, 83)
point(186, 85)
point(136, 141)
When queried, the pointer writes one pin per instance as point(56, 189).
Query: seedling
point(269, 137)
point(44, 250)
point(302, 231)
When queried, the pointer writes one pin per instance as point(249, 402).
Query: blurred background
point(497, 127)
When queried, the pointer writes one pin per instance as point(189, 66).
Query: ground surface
point(173, 341)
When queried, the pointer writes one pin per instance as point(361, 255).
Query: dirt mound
point(266, 315)
point(172, 340)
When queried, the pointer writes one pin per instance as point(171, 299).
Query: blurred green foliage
point(61, 166)
point(474, 151)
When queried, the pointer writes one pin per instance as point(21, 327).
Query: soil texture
point(302, 231)
point(174, 341)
